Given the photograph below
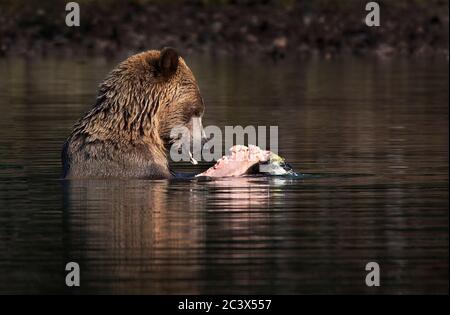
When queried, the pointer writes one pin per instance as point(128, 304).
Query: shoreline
point(300, 29)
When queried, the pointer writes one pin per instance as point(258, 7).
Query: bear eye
point(197, 112)
point(199, 108)
point(193, 109)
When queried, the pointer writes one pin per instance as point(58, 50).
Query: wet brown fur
point(127, 131)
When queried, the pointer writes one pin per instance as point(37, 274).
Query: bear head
point(146, 97)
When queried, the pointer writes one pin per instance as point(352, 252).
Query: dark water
point(374, 134)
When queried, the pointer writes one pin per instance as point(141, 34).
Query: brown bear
point(127, 132)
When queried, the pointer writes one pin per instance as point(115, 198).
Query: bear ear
point(168, 61)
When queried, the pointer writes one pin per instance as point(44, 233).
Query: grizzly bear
point(127, 133)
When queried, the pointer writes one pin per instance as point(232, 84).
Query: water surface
point(374, 135)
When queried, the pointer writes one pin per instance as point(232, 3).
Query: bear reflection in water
point(153, 235)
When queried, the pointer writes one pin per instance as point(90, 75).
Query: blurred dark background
point(266, 27)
